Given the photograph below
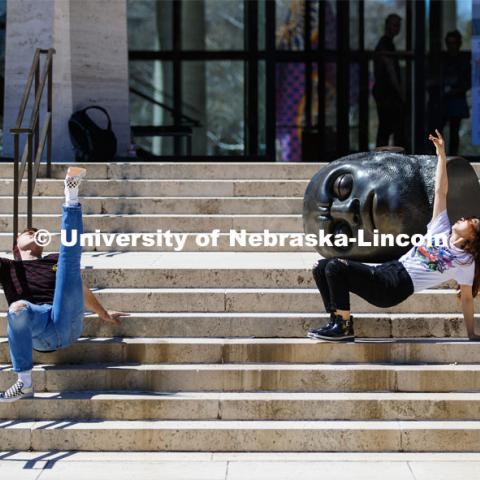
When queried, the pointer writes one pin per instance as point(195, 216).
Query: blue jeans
point(49, 327)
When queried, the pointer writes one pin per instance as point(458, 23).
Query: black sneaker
point(341, 331)
point(319, 331)
point(16, 392)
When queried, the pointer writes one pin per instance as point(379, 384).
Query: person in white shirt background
point(425, 266)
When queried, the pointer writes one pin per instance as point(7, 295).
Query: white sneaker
point(73, 180)
point(74, 177)
point(16, 392)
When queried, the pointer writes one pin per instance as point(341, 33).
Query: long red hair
point(473, 248)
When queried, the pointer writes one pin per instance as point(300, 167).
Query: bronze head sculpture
point(383, 192)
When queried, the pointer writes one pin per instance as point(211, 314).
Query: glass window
point(290, 20)
point(214, 87)
point(261, 108)
point(261, 25)
point(330, 108)
point(290, 110)
point(457, 15)
point(330, 25)
point(151, 101)
point(354, 24)
point(375, 13)
point(353, 114)
point(290, 24)
point(463, 17)
point(150, 25)
point(213, 95)
point(372, 110)
point(213, 24)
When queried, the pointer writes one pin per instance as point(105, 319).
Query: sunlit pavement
point(238, 466)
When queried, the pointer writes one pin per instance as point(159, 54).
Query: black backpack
point(91, 142)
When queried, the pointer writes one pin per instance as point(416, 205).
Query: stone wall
point(90, 64)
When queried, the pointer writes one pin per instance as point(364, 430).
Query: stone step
point(202, 270)
point(157, 205)
point(292, 377)
point(237, 436)
point(247, 350)
point(126, 405)
point(296, 300)
point(167, 188)
point(269, 325)
point(186, 170)
point(137, 223)
point(224, 245)
point(199, 270)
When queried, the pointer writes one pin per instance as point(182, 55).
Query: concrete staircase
point(214, 356)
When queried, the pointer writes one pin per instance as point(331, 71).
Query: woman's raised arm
point(441, 179)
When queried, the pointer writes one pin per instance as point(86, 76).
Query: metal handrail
point(183, 117)
point(35, 142)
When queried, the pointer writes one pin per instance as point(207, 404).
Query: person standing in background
point(387, 90)
point(455, 82)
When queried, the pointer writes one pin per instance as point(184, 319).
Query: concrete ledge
point(156, 205)
point(169, 188)
point(253, 377)
point(268, 325)
point(257, 300)
point(191, 170)
point(138, 223)
point(251, 436)
point(252, 351)
point(131, 405)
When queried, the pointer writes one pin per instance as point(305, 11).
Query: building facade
point(266, 80)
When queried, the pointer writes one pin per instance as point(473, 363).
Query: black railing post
point(16, 186)
point(36, 89)
point(49, 109)
point(30, 180)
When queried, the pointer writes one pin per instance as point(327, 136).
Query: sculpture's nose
point(347, 210)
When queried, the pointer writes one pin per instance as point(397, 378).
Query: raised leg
point(68, 307)
point(68, 304)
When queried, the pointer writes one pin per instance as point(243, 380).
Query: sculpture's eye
point(342, 187)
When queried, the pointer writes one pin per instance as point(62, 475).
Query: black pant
point(454, 130)
point(384, 285)
point(390, 121)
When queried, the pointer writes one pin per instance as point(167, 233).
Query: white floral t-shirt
point(433, 263)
